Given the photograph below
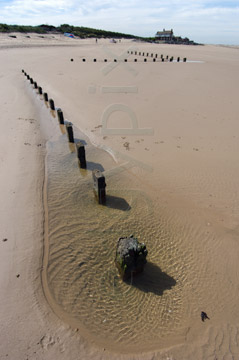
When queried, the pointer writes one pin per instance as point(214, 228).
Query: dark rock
point(130, 256)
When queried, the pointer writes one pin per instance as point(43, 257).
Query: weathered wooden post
point(115, 60)
point(40, 90)
point(31, 80)
point(23, 71)
point(70, 132)
point(162, 59)
point(171, 59)
point(147, 54)
point(178, 59)
point(35, 84)
point(94, 60)
point(52, 105)
point(139, 53)
point(81, 155)
point(154, 59)
point(99, 186)
point(135, 60)
point(28, 77)
point(135, 53)
point(145, 60)
point(83, 59)
point(184, 59)
point(143, 54)
point(125, 60)
point(152, 55)
point(105, 60)
point(60, 116)
point(45, 96)
point(156, 55)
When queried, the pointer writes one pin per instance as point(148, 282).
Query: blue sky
point(201, 20)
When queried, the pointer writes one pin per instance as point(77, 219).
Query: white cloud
point(201, 20)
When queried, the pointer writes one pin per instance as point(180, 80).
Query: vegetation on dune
point(82, 32)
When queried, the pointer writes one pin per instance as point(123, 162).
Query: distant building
point(165, 35)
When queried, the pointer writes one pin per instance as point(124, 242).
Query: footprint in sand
point(99, 126)
point(195, 149)
point(126, 145)
point(137, 141)
point(48, 341)
point(146, 149)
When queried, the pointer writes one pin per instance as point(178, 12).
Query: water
point(82, 280)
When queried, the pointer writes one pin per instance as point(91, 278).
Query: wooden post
point(135, 60)
point(40, 90)
point(135, 53)
point(70, 132)
point(154, 59)
point(35, 84)
point(105, 60)
point(156, 55)
point(125, 60)
point(83, 59)
point(152, 55)
point(31, 80)
point(28, 77)
point(145, 60)
point(52, 105)
point(81, 155)
point(178, 59)
point(23, 71)
point(162, 59)
point(45, 96)
point(184, 59)
point(143, 54)
point(94, 60)
point(60, 116)
point(99, 186)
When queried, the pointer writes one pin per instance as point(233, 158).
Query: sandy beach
point(166, 136)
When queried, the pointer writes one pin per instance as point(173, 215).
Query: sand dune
point(166, 136)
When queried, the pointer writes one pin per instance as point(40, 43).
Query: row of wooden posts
point(167, 58)
point(98, 177)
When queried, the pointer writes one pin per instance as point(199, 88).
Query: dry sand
point(177, 181)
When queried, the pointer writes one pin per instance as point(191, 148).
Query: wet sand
point(171, 181)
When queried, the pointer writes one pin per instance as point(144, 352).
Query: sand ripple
point(178, 280)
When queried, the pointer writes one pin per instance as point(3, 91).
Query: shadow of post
point(153, 279)
point(118, 203)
